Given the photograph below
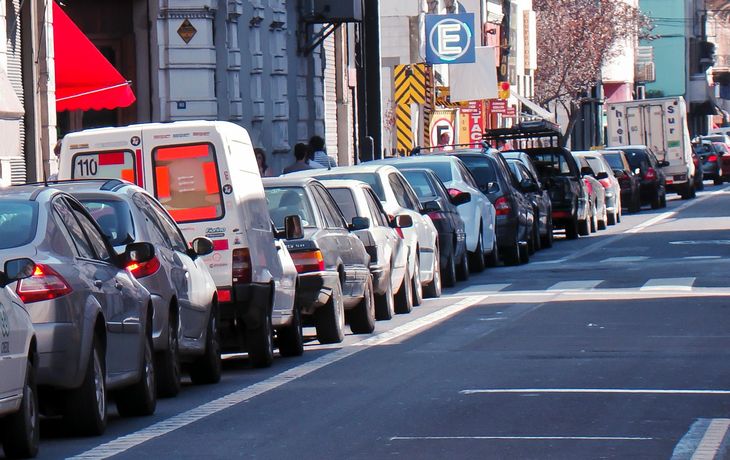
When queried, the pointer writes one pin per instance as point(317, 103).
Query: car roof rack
point(534, 133)
point(107, 184)
point(418, 150)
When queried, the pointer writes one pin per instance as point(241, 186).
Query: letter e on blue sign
point(450, 38)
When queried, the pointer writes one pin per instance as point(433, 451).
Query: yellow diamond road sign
point(186, 31)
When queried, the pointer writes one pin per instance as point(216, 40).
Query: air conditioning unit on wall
point(644, 72)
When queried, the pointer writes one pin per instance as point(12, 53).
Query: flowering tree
point(574, 39)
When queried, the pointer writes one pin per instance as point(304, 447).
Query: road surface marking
point(701, 257)
point(163, 427)
point(625, 259)
point(546, 262)
point(703, 440)
point(481, 288)
point(519, 438)
point(647, 391)
point(574, 285)
point(660, 284)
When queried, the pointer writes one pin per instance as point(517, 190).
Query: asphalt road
point(611, 346)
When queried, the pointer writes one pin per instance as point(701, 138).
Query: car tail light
point(142, 269)
point(501, 206)
point(650, 174)
point(605, 182)
point(453, 192)
point(45, 284)
point(241, 266)
point(712, 158)
point(224, 295)
point(436, 215)
point(308, 261)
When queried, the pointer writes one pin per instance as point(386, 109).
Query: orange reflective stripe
point(162, 177)
point(180, 152)
point(128, 175)
point(186, 215)
point(211, 178)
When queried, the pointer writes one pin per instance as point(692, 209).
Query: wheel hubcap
point(99, 387)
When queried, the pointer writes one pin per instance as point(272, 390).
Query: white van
point(205, 174)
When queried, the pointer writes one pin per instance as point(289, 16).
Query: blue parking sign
point(450, 38)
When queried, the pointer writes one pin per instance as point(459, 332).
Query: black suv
point(334, 276)
point(653, 180)
point(521, 166)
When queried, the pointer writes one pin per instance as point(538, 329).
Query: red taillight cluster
point(45, 284)
point(241, 266)
point(605, 182)
point(308, 261)
point(501, 206)
point(142, 269)
point(650, 174)
point(453, 192)
point(436, 215)
point(712, 158)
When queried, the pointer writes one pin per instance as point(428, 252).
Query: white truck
point(661, 125)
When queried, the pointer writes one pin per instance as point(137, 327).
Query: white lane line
point(655, 220)
point(677, 284)
point(546, 262)
point(573, 285)
point(702, 257)
point(519, 438)
point(625, 259)
point(687, 446)
point(712, 440)
point(648, 391)
point(481, 288)
point(166, 426)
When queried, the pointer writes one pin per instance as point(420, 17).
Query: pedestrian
point(264, 169)
point(445, 141)
point(301, 159)
point(317, 146)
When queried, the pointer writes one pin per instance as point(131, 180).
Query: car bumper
point(315, 290)
point(59, 355)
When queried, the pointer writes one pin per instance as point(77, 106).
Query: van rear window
point(187, 182)
point(112, 164)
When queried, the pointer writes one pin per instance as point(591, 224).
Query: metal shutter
point(15, 75)
point(330, 96)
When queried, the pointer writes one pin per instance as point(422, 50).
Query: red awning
point(85, 80)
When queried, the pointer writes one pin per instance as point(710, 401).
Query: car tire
point(584, 227)
point(656, 201)
point(290, 338)
point(612, 218)
point(547, 240)
point(260, 343)
point(362, 317)
point(664, 200)
point(448, 277)
point(140, 399)
point(86, 405)
point(594, 221)
point(330, 318)
point(433, 289)
point(635, 204)
point(416, 285)
point(511, 255)
point(167, 363)
point(476, 262)
point(524, 254)
point(572, 229)
point(462, 271)
point(404, 296)
point(717, 181)
point(385, 303)
point(207, 368)
point(21, 430)
point(536, 241)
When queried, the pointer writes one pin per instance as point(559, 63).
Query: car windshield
point(18, 222)
point(551, 164)
point(595, 164)
point(115, 219)
point(372, 179)
point(614, 159)
point(442, 169)
point(289, 201)
point(345, 200)
point(482, 169)
point(421, 185)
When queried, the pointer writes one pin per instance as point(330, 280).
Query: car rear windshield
point(111, 164)
point(421, 185)
point(115, 219)
point(187, 181)
point(289, 201)
point(636, 158)
point(614, 159)
point(482, 169)
point(345, 200)
point(551, 164)
point(18, 222)
point(372, 179)
point(595, 164)
point(442, 169)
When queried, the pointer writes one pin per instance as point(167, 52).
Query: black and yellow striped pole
point(410, 87)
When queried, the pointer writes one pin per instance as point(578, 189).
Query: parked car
point(530, 185)
point(699, 174)
point(599, 215)
point(184, 297)
point(628, 179)
point(723, 154)
point(605, 176)
point(335, 283)
point(514, 212)
point(286, 316)
point(383, 241)
point(709, 160)
point(653, 180)
point(479, 214)
point(442, 208)
point(397, 198)
point(205, 175)
point(93, 319)
point(18, 366)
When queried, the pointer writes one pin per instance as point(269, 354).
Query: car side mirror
point(359, 223)
point(619, 172)
point(663, 163)
point(430, 206)
point(461, 198)
point(529, 186)
point(202, 246)
point(602, 175)
point(139, 252)
point(586, 171)
point(402, 221)
point(293, 227)
point(17, 269)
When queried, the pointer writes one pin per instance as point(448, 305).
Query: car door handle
point(98, 283)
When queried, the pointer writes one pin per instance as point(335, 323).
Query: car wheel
point(612, 218)
point(572, 229)
point(140, 398)
point(547, 240)
point(717, 181)
point(524, 254)
point(536, 242)
point(584, 227)
point(21, 430)
point(362, 317)
point(416, 285)
point(594, 221)
point(404, 296)
point(167, 363)
point(260, 342)
point(656, 201)
point(290, 339)
point(511, 255)
point(462, 271)
point(477, 263)
point(493, 259)
point(207, 368)
point(385, 303)
point(635, 203)
point(448, 276)
point(86, 405)
point(664, 200)
point(433, 289)
point(330, 318)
